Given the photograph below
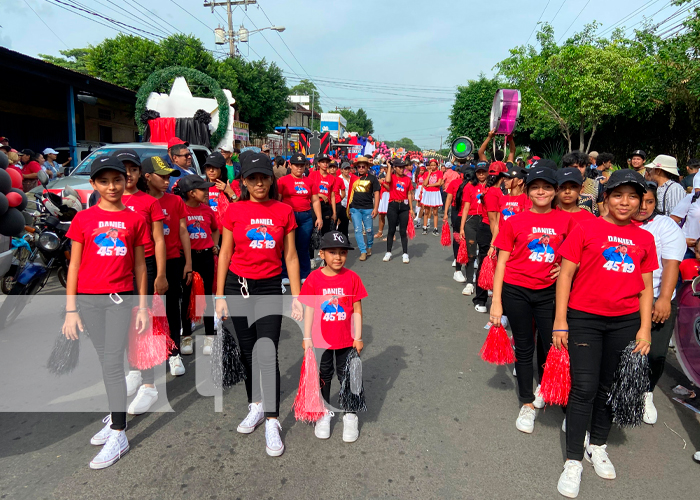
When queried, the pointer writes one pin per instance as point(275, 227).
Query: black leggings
point(343, 221)
point(265, 329)
point(173, 272)
point(398, 213)
point(327, 213)
point(325, 369)
point(661, 334)
point(483, 242)
point(108, 326)
point(202, 263)
point(595, 345)
point(527, 309)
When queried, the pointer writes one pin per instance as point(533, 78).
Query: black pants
point(259, 341)
point(325, 369)
point(661, 334)
point(595, 345)
point(327, 213)
point(173, 272)
point(108, 326)
point(527, 309)
point(202, 263)
point(483, 242)
point(151, 273)
point(399, 214)
point(343, 221)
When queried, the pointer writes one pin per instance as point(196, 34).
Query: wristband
point(74, 311)
point(643, 340)
point(217, 297)
point(307, 338)
point(567, 331)
point(143, 308)
point(359, 340)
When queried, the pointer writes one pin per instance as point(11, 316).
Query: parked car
point(79, 178)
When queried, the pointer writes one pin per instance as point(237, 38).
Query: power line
point(141, 9)
point(390, 86)
point(629, 16)
point(572, 22)
point(129, 14)
point(75, 5)
point(192, 15)
point(84, 16)
point(538, 21)
point(555, 15)
point(49, 27)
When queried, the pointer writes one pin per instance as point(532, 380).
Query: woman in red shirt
point(611, 251)
point(514, 202)
point(570, 181)
point(107, 252)
point(523, 286)
point(400, 206)
point(432, 199)
point(257, 232)
point(222, 192)
point(418, 195)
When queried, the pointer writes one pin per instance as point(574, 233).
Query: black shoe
point(435, 232)
point(425, 230)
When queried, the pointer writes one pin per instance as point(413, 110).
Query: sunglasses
point(188, 155)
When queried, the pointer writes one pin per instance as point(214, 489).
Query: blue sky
point(399, 60)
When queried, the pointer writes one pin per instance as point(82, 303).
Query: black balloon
point(4, 204)
point(12, 223)
point(5, 181)
point(4, 161)
point(22, 205)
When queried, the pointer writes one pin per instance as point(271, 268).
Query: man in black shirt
point(363, 205)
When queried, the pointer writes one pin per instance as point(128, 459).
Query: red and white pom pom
point(556, 380)
point(488, 270)
point(411, 230)
point(462, 254)
point(153, 346)
point(198, 301)
point(497, 348)
point(308, 405)
point(445, 239)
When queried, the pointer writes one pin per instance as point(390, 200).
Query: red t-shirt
point(32, 167)
point(295, 192)
point(174, 209)
point(399, 188)
point(690, 269)
point(147, 207)
point(433, 177)
point(533, 241)
point(201, 223)
point(332, 298)
point(324, 185)
point(258, 237)
point(612, 257)
point(511, 205)
point(109, 240)
point(452, 189)
point(236, 186)
point(214, 198)
point(475, 198)
point(492, 201)
point(581, 216)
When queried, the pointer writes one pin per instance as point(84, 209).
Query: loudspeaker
point(462, 147)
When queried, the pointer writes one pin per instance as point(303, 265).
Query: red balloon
point(14, 199)
point(16, 178)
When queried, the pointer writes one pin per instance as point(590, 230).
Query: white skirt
point(432, 199)
point(384, 203)
point(417, 194)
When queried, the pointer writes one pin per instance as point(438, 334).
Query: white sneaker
point(323, 426)
point(480, 308)
point(598, 456)
point(275, 446)
point(405, 258)
point(570, 479)
point(176, 366)
point(650, 414)
point(208, 343)
point(459, 277)
point(133, 382)
point(696, 456)
point(387, 257)
point(539, 401)
point(454, 263)
point(101, 437)
point(563, 425)
point(254, 418)
point(350, 428)
point(468, 290)
point(143, 401)
point(285, 281)
point(313, 263)
point(116, 446)
point(186, 346)
point(526, 420)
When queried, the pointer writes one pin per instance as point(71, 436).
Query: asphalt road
point(440, 422)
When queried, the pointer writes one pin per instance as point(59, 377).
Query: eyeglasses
point(188, 155)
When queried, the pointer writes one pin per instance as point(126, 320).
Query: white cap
point(49, 151)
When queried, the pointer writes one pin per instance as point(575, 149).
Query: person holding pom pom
point(400, 206)
point(333, 321)
point(107, 252)
point(524, 287)
point(609, 250)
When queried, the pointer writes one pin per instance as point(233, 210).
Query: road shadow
point(417, 249)
point(380, 372)
point(503, 379)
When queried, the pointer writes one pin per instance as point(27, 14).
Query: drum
point(462, 147)
point(505, 111)
point(687, 332)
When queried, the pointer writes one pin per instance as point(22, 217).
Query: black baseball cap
point(256, 163)
point(157, 165)
point(5, 148)
point(321, 156)
point(626, 176)
point(482, 165)
point(543, 174)
point(104, 162)
point(639, 152)
point(298, 159)
point(544, 162)
point(569, 174)
point(26, 152)
point(190, 182)
point(215, 160)
point(399, 162)
point(515, 172)
point(127, 155)
point(335, 239)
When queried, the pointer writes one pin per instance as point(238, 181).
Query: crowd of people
point(554, 231)
point(29, 163)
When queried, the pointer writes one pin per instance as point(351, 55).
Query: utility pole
point(229, 11)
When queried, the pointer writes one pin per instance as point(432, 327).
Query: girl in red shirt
point(178, 264)
point(514, 202)
point(107, 252)
point(400, 207)
point(222, 192)
point(203, 231)
point(570, 181)
point(432, 199)
point(347, 178)
point(383, 202)
point(613, 252)
point(418, 195)
point(257, 231)
point(523, 286)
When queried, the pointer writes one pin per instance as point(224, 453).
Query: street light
point(241, 36)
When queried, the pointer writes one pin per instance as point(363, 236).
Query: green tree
point(73, 59)
point(471, 110)
point(307, 87)
point(358, 122)
point(405, 143)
